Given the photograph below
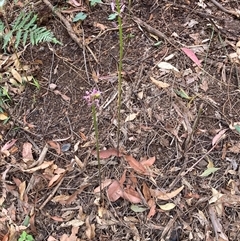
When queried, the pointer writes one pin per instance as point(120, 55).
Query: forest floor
point(176, 176)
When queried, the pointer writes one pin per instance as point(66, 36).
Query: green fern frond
point(24, 28)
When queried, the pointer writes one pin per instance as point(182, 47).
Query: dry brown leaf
point(152, 211)
point(220, 235)
point(95, 76)
point(57, 219)
point(133, 179)
point(73, 197)
point(235, 148)
point(80, 164)
point(204, 85)
point(105, 183)
point(100, 26)
point(62, 199)
point(131, 117)
point(137, 166)
point(16, 75)
point(54, 179)
point(22, 188)
point(165, 196)
point(104, 154)
point(159, 83)
point(90, 231)
point(73, 236)
point(27, 152)
point(149, 162)
point(51, 238)
point(29, 125)
point(44, 165)
point(64, 97)
point(114, 191)
point(123, 178)
point(146, 192)
point(131, 195)
point(55, 145)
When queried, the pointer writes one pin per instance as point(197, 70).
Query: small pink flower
point(113, 5)
point(92, 97)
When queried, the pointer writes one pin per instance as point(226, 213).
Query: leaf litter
point(155, 117)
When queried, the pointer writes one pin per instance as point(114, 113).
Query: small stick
point(53, 192)
point(69, 29)
point(217, 4)
point(153, 30)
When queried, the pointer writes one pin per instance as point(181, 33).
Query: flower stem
point(119, 70)
point(94, 115)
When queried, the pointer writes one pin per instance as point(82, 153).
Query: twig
point(53, 192)
point(182, 173)
point(69, 29)
point(217, 4)
point(38, 162)
point(153, 30)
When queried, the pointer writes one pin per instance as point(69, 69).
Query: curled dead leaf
point(149, 162)
point(165, 196)
point(137, 166)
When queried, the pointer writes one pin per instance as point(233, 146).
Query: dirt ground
point(187, 119)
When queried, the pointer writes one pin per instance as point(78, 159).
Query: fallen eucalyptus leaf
point(137, 209)
point(167, 206)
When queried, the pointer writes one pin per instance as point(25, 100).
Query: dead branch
point(69, 29)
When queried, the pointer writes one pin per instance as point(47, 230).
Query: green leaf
point(79, 17)
point(183, 94)
point(237, 128)
point(26, 221)
point(137, 209)
point(209, 171)
point(93, 2)
point(112, 16)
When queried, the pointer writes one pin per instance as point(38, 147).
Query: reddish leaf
point(104, 154)
point(55, 146)
point(57, 219)
point(137, 166)
point(152, 210)
point(8, 145)
point(131, 195)
point(191, 55)
point(123, 178)
point(218, 137)
point(114, 191)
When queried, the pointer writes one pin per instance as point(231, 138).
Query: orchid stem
point(119, 70)
point(94, 114)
